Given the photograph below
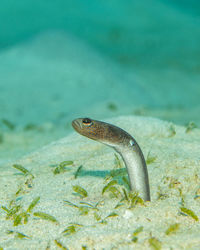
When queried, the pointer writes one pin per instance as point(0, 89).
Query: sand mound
point(107, 221)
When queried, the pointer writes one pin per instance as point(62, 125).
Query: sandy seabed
point(103, 221)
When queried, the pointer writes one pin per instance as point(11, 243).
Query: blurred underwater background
point(60, 60)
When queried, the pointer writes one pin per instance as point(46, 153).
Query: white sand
point(176, 167)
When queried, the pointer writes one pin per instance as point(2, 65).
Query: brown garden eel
point(125, 145)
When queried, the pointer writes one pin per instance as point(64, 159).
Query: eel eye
point(87, 121)
point(131, 142)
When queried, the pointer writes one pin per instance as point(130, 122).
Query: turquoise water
point(60, 60)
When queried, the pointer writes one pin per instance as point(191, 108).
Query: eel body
point(125, 145)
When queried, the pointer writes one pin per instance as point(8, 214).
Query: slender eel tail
point(137, 170)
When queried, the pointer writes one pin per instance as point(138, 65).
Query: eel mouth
point(76, 124)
